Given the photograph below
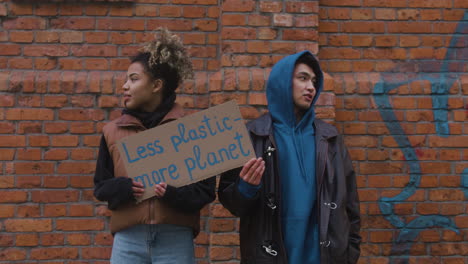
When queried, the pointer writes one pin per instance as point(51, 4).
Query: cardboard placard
point(188, 149)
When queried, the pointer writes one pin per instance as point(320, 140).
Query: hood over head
point(279, 90)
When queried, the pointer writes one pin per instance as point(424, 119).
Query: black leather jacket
point(260, 227)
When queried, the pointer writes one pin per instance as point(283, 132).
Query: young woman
point(160, 229)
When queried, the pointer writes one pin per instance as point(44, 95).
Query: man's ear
point(158, 85)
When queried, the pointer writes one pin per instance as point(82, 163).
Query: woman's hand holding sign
point(253, 170)
point(138, 189)
point(160, 189)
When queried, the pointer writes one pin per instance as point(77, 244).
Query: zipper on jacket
point(270, 199)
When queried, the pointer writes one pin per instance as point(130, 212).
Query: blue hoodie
point(296, 150)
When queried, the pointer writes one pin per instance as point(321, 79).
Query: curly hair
point(166, 58)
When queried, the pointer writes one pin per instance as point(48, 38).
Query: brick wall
point(402, 100)
point(62, 67)
point(397, 69)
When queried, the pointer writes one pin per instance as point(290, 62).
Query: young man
point(298, 201)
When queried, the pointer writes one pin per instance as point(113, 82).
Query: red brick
point(45, 63)
point(430, 3)
point(259, 20)
point(238, 33)
point(104, 239)
point(270, 7)
point(54, 210)
point(6, 211)
point(12, 141)
point(7, 128)
point(28, 225)
point(54, 253)
point(96, 253)
point(343, 53)
point(46, 50)
point(384, 13)
point(267, 33)
point(34, 168)
point(79, 224)
point(13, 196)
point(27, 240)
point(361, 14)
point(24, 23)
point(94, 51)
point(21, 36)
point(339, 13)
point(194, 12)
point(384, 3)
point(431, 14)
point(55, 181)
point(29, 127)
point(120, 24)
point(12, 254)
point(82, 127)
point(238, 5)
point(29, 154)
point(302, 7)
point(341, 3)
point(221, 253)
point(446, 195)
point(81, 210)
point(91, 141)
point(306, 21)
point(170, 11)
point(52, 239)
point(460, 4)
point(283, 20)
point(54, 196)
point(224, 239)
point(171, 24)
point(364, 27)
point(75, 168)
point(79, 239)
point(81, 115)
point(64, 141)
point(386, 41)
point(96, 37)
point(10, 49)
point(409, 27)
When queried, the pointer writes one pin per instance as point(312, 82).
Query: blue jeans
point(149, 244)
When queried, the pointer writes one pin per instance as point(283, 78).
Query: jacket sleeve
point(191, 198)
point(114, 191)
point(352, 207)
point(230, 196)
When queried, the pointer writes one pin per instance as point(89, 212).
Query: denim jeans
point(153, 244)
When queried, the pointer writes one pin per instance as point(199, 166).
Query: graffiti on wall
point(440, 82)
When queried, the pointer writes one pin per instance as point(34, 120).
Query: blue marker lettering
point(140, 151)
point(238, 138)
point(233, 147)
point(206, 121)
point(196, 151)
point(190, 167)
point(173, 169)
point(128, 157)
point(224, 123)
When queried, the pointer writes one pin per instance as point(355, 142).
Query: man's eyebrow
point(133, 73)
point(303, 72)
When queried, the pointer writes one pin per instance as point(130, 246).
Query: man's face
point(303, 88)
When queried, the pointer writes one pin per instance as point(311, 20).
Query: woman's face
point(141, 92)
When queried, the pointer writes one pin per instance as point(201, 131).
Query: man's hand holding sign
point(188, 150)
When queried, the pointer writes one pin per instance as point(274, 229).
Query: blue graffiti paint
point(440, 85)
point(464, 182)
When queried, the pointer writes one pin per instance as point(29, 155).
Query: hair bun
point(167, 48)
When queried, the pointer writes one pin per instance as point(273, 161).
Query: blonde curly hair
point(168, 49)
